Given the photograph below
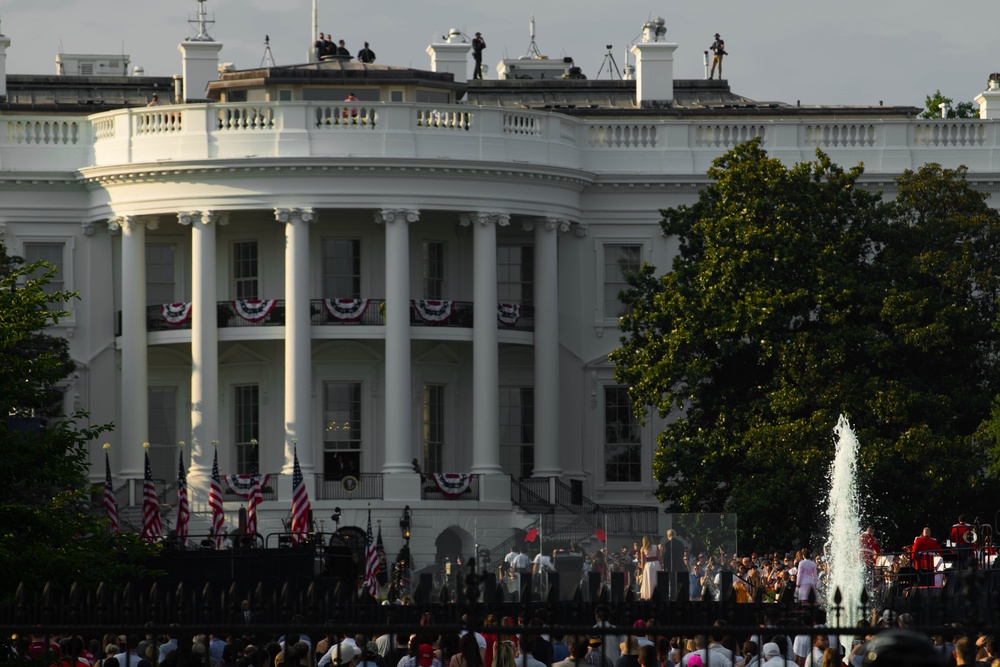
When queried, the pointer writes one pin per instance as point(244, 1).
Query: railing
point(363, 486)
point(430, 491)
point(322, 312)
point(531, 494)
point(268, 492)
point(615, 519)
point(462, 133)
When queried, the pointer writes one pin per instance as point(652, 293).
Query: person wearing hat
point(718, 49)
point(595, 654)
point(630, 652)
point(478, 46)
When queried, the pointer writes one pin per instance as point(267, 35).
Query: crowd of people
point(509, 642)
point(325, 49)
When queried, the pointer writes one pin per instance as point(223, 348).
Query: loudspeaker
point(569, 566)
point(617, 588)
point(593, 585)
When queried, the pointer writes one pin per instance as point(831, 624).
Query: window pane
point(246, 427)
point(51, 253)
point(342, 435)
point(245, 270)
point(517, 430)
point(341, 267)
point(618, 260)
point(159, 274)
point(433, 270)
point(433, 427)
point(623, 438)
point(515, 274)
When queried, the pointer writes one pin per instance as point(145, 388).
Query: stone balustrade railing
point(198, 132)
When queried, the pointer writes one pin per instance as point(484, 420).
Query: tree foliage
point(798, 296)
point(932, 107)
point(49, 529)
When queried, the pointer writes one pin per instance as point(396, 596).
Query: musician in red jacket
point(924, 549)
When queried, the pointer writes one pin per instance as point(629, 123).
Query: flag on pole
point(215, 501)
point(110, 504)
point(371, 560)
point(256, 497)
point(183, 510)
point(300, 503)
point(601, 535)
point(151, 524)
point(382, 575)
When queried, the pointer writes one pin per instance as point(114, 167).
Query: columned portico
point(485, 357)
point(298, 339)
point(134, 376)
point(204, 345)
point(403, 483)
point(546, 293)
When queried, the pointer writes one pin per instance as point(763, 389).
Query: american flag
point(371, 560)
point(381, 574)
point(215, 501)
point(300, 503)
point(183, 510)
point(151, 525)
point(110, 504)
point(256, 498)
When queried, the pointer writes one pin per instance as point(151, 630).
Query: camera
point(609, 47)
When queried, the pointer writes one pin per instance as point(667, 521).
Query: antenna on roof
point(533, 51)
point(268, 59)
point(201, 22)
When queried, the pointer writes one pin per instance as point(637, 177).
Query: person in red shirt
point(963, 539)
point(924, 549)
point(870, 550)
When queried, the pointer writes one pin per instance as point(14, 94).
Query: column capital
point(188, 218)
point(87, 227)
point(549, 224)
point(387, 215)
point(129, 223)
point(484, 218)
point(293, 215)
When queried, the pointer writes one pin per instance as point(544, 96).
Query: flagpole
point(315, 33)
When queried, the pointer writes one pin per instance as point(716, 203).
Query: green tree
point(49, 529)
point(797, 296)
point(932, 107)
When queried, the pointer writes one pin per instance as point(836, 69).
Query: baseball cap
point(425, 655)
point(344, 652)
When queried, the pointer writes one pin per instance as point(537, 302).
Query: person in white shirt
point(806, 576)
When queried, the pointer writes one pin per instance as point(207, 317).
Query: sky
point(851, 52)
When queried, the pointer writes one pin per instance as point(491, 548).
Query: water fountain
point(846, 571)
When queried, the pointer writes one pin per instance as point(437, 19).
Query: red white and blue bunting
point(508, 314)
point(452, 485)
point(254, 310)
point(346, 310)
point(432, 311)
point(242, 485)
point(176, 314)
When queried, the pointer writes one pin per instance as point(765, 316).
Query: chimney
point(654, 66)
point(4, 43)
point(989, 101)
point(199, 58)
point(451, 55)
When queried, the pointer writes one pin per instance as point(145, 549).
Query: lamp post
point(404, 524)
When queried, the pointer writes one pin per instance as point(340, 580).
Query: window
point(622, 439)
point(515, 274)
point(246, 427)
point(245, 270)
point(162, 412)
point(433, 270)
point(52, 253)
point(395, 95)
point(341, 266)
point(517, 431)
point(433, 427)
point(618, 260)
point(284, 96)
point(341, 429)
point(159, 274)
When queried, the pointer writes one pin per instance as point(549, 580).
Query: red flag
point(300, 503)
point(215, 502)
point(151, 524)
point(531, 535)
point(110, 504)
point(183, 510)
point(601, 535)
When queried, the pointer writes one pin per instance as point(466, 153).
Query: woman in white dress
point(649, 559)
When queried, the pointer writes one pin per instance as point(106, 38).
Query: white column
point(298, 338)
point(204, 346)
point(485, 356)
point(135, 397)
point(547, 346)
point(398, 373)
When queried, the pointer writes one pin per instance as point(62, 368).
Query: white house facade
point(420, 280)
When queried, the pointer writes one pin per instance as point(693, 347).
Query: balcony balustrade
point(333, 312)
point(193, 132)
